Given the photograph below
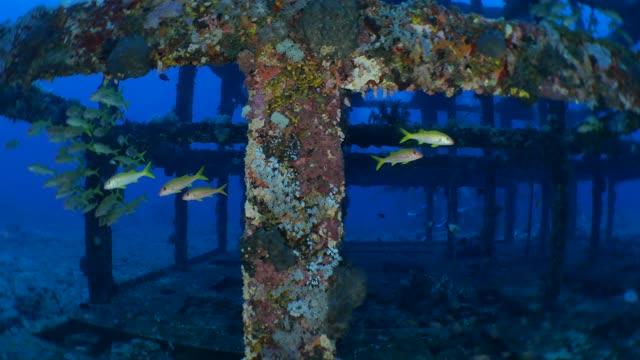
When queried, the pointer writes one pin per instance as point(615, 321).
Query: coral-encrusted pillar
point(294, 174)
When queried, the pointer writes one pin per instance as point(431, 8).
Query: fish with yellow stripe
point(200, 193)
point(434, 138)
point(402, 156)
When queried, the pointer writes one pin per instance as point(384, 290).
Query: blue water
point(34, 227)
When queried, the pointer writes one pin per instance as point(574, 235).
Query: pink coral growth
point(267, 274)
point(320, 165)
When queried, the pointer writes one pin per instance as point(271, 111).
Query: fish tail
point(221, 190)
point(379, 160)
point(407, 135)
point(200, 176)
point(146, 171)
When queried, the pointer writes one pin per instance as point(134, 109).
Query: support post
point(489, 210)
point(573, 209)
point(97, 263)
point(452, 191)
point(184, 112)
point(429, 117)
point(611, 208)
point(222, 217)
point(294, 173)
point(527, 245)
point(180, 229)
point(597, 189)
point(452, 217)
point(560, 205)
point(546, 203)
point(429, 212)
point(510, 213)
point(510, 196)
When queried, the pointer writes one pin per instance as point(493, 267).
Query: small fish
point(164, 77)
point(101, 149)
point(107, 204)
point(12, 144)
point(92, 114)
point(56, 133)
point(77, 148)
point(203, 192)
point(89, 207)
point(176, 185)
point(401, 156)
point(381, 215)
point(455, 229)
point(432, 137)
point(590, 124)
point(74, 203)
point(79, 123)
point(101, 131)
point(124, 161)
point(110, 97)
point(122, 140)
point(41, 170)
point(130, 208)
point(74, 111)
point(132, 152)
point(112, 216)
point(38, 127)
point(70, 133)
point(411, 213)
point(442, 222)
point(121, 180)
point(63, 193)
point(65, 159)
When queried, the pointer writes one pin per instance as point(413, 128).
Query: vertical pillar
point(184, 112)
point(489, 210)
point(573, 209)
point(222, 217)
point(180, 229)
point(452, 190)
point(429, 117)
point(545, 215)
point(611, 208)
point(510, 196)
point(232, 95)
point(560, 205)
point(527, 245)
point(510, 213)
point(597, 188)
point(429, 212)
point(452, 217)
point(97, 263)
point(294, 173)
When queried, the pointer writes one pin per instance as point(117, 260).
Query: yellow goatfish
point(203, 192)
point(121, 180)
point(176, 185)
point(434, 138)
point(401, 156)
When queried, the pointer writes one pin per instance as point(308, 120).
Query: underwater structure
point(301, 60)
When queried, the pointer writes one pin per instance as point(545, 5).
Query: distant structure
point(301, 60)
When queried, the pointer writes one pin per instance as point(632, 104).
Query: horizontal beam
point(532, 143)
point(438, 170)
